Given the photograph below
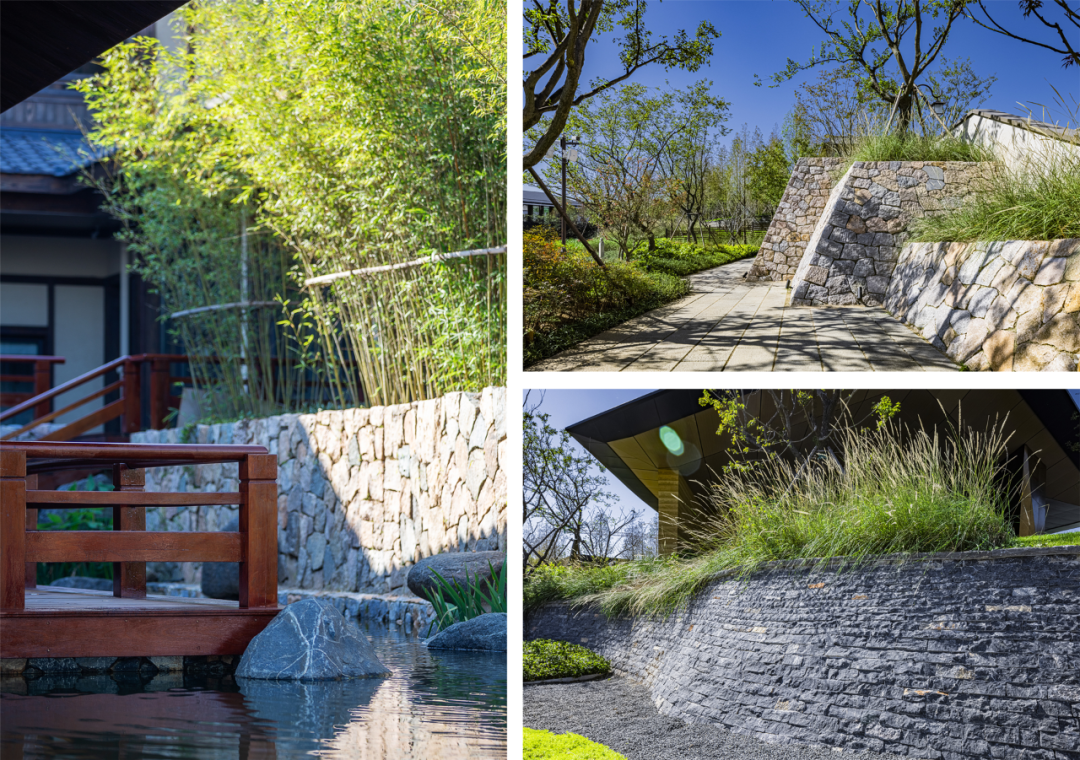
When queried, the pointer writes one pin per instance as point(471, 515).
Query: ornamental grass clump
point(1035, 199)
point(911, 146)
point(898, 492)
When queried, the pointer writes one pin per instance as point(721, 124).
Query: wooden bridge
point(51, 622)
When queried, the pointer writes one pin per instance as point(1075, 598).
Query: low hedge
point(544, 745)
point(544, 659)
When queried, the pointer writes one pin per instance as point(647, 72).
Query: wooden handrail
point(53, 415)
point(31, 358)
point(64, 387)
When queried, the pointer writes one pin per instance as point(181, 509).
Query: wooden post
point(12, 530)
point(129, 578)
point(42, 383)
point(31, 524)
point(132, 397)
point(258, 530)
point(159, 392)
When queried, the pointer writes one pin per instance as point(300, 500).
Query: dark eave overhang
point(42, 41)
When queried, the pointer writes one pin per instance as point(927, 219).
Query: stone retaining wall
point(974, 655)
point(993, 306)
point(795, 219)
point(362, 493)
point(850, 257)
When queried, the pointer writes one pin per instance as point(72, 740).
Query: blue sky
point(569, 406)
point(757, 37)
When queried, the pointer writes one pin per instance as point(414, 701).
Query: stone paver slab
point(731, 325)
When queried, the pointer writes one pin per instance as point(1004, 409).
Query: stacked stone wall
point(362, 493)
point(993, 306)
point(850, 257)
point(793, 223)
point(973, 655)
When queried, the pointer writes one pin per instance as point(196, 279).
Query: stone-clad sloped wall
point(362, 493)
point(793, 223)
point(977, 656)
point(849, 259)
point(993, 306)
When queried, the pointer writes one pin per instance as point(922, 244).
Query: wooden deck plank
point(61, 622)
point(48, 598)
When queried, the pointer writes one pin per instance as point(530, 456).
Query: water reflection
point(445, 705)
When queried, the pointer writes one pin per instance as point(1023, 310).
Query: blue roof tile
point(45, 151)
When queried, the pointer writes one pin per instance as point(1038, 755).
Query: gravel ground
point(620, 714)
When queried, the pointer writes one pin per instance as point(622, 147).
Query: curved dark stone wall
point(973, 655)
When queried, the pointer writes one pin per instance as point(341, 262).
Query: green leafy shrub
point(454, 604)
point(543, 659)
point(568, 298)
point(543, 745)
point(76, 519)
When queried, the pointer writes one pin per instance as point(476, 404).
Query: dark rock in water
point(485, 633)
point(452, 567)
point(310, 641)
point(78, 581)
point(221, 580)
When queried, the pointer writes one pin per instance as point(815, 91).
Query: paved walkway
point(728, 324)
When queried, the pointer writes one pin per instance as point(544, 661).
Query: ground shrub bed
point(568, 298)
point(899, 493)
point(544, 745)
point(543, 659)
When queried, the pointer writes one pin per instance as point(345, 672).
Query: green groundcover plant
point(567, 298)
point(899, 492)
point(544, 745)
point(543, 659)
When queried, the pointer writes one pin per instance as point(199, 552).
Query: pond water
point(444, 705)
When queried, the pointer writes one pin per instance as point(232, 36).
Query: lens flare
point(671, 440)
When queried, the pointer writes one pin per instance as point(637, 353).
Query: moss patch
point(544, 745)
point(545, 659)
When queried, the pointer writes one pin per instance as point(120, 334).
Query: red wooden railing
point(41, 379)
point(129, 405)
point(129, 545)
point(131, 401)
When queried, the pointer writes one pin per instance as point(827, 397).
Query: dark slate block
point(310, 641)
point(485, 633)
point(452, 566)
